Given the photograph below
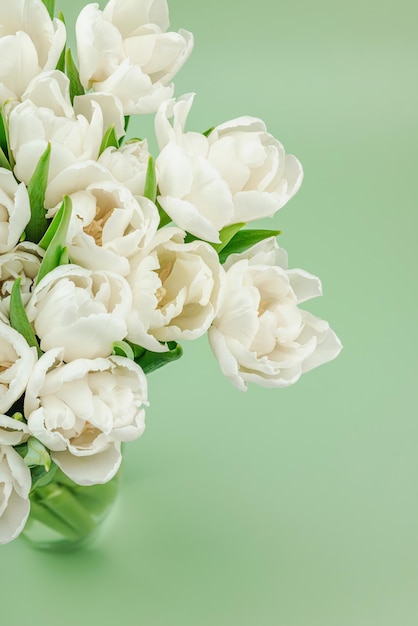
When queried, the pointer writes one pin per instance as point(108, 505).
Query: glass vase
point(65, 516)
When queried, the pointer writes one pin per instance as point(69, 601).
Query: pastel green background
point(295, 507)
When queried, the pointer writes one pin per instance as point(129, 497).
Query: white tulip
point(16, 362)
point(30, 43)
point(239, 173)
point(80, 310)
point(125, 50)
point(108, 226)
point(46, 115)
point(128, 165)
point(72, 179)
point(14, 210)
point(82, 411)
point(23, 261)
point(176, 290)
point(15, 484)
point(260, 334)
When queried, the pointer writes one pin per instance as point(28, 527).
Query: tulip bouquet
point(110, 258)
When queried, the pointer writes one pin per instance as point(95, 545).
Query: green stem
point(39, 513)
point(64, 505)
point(64, 514)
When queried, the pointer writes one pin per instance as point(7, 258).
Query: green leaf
point(3, 160)
point(37, 454)
point(54, 244)
point(42, 477)
point(138, 351)
point(123, 138)
point(134, 140)
point(64, 257)
point(3, 135)
point(151, 361)
point(164, 218)
point(52, 229)
point(76, 88)
point(18, 318)
point(150, 190)
point(38, 222)
point(225, 235)
point(244, 240)
point(208, 131)
point(61, 61)
point(50, 5)
point(122, 348)
point(109, 139)
point(21, 449)
point(4, 138)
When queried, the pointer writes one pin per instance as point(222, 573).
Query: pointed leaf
point(64, 257)
point(4, 139)
point(61, 61)
point(123, 138)
point(50, 5)
point(3, 160)
point(38, 222)
point(225, 235)
point(150, 190)
point(56, 246)
point(244, 240)
point(3, 135)
point(18, 318)
point(164, 218)
point(52, 229)
point(151, 361)
point(208, 131)
point(109, 139)
point(76, 88)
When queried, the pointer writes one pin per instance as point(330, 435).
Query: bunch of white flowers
point(109, 258)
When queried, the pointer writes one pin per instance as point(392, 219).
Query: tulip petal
point(91, 469)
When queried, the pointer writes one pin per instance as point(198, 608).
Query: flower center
point(86, 437)
point(165, 271)
point(4, 365)
point(95, 228)
point(160, 295)
point(163, 274)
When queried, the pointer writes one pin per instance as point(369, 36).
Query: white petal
point(227, 361)
point(12, 431)
point(90, 470)
point(13, 520)
point(305, 285)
